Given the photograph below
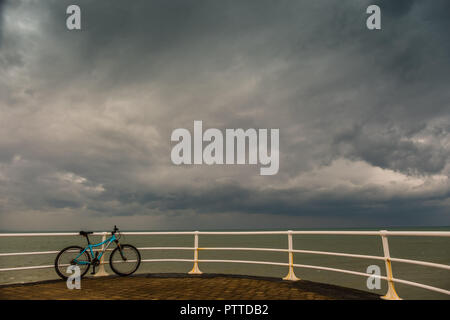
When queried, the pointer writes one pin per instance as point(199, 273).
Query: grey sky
point(86, 116)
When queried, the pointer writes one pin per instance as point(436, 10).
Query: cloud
point(86, 116)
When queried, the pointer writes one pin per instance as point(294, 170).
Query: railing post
point(101, 270)
point(195, 269)
point(291, 275)
point(391, 293)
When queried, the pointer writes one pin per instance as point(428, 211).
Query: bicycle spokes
point(125, 260)
point(72, 256)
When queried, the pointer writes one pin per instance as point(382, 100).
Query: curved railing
point(383, 234)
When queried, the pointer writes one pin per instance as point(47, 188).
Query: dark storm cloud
point(2, 3)
point(385, 147)
point(86, 116)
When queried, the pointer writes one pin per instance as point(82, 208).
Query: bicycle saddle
point(85, 233)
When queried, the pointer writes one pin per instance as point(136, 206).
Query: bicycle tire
point(87, 256)
point(117, 252)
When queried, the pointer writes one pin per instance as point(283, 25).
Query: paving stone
point(182, 287)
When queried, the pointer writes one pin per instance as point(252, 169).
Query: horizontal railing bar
point(241, 232)
point(167, 248)
point(7, 254)
point(246, 261)
point(424, 263)
point(27, 268)
point(377, 233)
point(424, 286)
point(143, 233)
point(244, 249)
point(48, 234)
point(368, 233)
point(354, 233)
point(418, 233)
point(418, 262)
point(421, 263)
point(420, 285)
point(167, 260)
point(307, 266)
point(37, 267)
point(339, 254)
point(26, 253)
point(411, 283)
point(53, 252)
point(52, 266)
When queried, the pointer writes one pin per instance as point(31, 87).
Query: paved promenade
point(183, 287)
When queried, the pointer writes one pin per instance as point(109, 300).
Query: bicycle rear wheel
point(125, 259)
point(66, 257)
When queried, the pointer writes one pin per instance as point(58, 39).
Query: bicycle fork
point(120, 251)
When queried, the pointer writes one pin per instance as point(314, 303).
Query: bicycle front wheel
point(72, 256)
point(125, 259)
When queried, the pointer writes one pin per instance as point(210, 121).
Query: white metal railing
point(390, 295)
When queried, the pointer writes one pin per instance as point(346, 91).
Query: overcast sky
point(86, 116)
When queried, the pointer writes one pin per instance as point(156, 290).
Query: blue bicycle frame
point(91, 246)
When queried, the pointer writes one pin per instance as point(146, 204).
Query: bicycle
point(123, 256)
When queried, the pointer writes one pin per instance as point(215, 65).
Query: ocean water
point(432, 249)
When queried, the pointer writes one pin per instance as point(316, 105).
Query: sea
point(431, 249)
